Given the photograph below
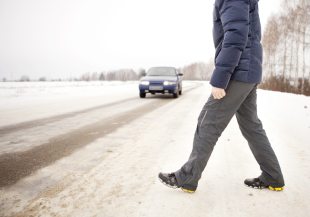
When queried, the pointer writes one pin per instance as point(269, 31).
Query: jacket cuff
point(220, 79)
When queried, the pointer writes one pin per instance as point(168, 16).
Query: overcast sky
point(64, 38)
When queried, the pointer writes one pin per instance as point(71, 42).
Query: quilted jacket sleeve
point(234, 16)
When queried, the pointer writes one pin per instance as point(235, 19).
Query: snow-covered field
point(24, 101)
point(95, 149)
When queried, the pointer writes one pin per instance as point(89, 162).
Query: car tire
point(176, 95)
point(142, 95)
point(180, 92)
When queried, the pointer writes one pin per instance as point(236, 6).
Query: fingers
point(218, 93)
point(221, 94)
point(218, 96)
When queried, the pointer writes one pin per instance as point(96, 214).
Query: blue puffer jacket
point(237, 36)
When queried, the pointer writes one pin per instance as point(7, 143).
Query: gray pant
point(240, 99)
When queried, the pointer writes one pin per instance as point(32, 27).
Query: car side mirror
point(180, 74)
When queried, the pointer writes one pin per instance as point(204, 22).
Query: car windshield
point(161, 71)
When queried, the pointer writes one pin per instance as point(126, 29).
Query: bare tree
point(198, 71)
point(24, 78)
point(286, 43)
point(42, 79)
point(102, 76)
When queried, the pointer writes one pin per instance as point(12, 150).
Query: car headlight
point(169, 83)
point(144, 82)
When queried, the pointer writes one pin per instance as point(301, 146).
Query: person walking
point(238, 71)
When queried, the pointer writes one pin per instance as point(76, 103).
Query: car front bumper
point(158, 88)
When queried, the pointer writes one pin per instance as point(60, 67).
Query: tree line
point(194, 71)
point(198, 71)
point(286, 43)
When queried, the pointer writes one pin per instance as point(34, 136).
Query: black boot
point(170, 180)
point(257, 183)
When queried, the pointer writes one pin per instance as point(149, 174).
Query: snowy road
point(96, 150)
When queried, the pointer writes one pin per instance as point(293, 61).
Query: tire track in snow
point(29, 124)
point(42, 121)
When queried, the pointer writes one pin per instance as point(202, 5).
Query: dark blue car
point(161, 80)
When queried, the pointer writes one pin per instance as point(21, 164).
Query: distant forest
point(194, 71)
point(286, 42)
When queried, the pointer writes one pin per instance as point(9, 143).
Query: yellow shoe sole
point(275, 189)
point(187, 191)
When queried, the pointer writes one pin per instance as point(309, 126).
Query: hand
point(218, 93)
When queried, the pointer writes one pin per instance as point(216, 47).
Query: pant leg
point(212, 121)
point(252, 129)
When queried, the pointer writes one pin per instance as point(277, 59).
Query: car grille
point(156, 83)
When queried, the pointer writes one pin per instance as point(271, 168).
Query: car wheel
point(142, 95)
point(176, 95)
point(180, 92)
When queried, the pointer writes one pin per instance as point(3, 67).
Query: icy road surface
point(95, 149)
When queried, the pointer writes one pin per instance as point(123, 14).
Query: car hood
point(159, 78)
